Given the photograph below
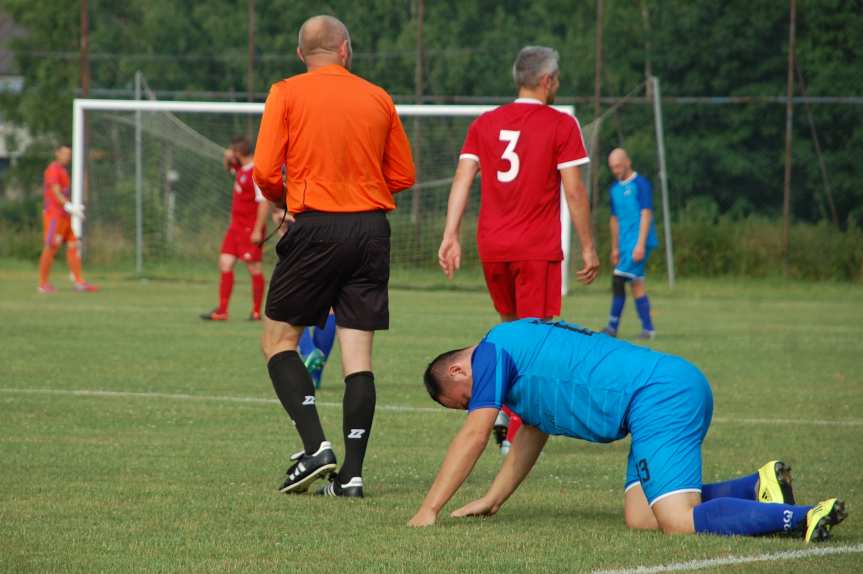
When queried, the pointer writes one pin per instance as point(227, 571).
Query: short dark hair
point(436, 371)
point(241, 146)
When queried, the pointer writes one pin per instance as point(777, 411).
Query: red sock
point(514, 425)
point(257, 291)
point(74, 263)
point(226, 285)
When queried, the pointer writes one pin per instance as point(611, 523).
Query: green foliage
point(731, 153)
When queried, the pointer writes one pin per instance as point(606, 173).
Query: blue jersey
point(560, 377)
point(628, 198)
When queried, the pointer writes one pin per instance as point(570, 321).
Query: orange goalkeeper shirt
point(340, 140)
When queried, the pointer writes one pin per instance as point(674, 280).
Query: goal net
point(158, 198)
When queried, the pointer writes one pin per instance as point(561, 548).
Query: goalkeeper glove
point(74, 210)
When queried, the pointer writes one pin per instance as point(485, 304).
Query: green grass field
point(134, 437)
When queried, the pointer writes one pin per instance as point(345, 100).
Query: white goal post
point(82, 106)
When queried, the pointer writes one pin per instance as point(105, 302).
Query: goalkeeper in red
point(524, 150)
point(245, 235)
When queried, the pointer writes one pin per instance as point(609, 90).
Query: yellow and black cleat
point(822, 518)
point(774, 483)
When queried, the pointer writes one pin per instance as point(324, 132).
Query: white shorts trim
point(632, 276)
point(573, 163)
point(658, 498)
point(469, 156)
point(629, 487)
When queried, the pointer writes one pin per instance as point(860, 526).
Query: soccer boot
point(822, 518)
point(308, 468)
point(214, 315)
point(646, 335)
point(46, 289)
point(315, 362)
point(84, 287)
point(501, 426)
point(774, 483)
point(255, 316)
point(609, 331)
point(353, 488)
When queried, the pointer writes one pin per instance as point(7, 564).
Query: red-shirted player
point(524, 151)
point(246, 233)
point(57, 222)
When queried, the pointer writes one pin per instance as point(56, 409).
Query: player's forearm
point(58, 194)
point(615, 232)
point(263, 214)
point(644, 226)
point(458, 196)
point(528, 443)
point(579, 206)
point(460, 459)
point(271, 149)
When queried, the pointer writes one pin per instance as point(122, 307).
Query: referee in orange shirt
point(345, 153)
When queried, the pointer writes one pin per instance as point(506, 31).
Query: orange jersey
point(55, 174)
point(340, 139)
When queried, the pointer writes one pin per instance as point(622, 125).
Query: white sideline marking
point(394, 408)
point(734, 560)
point(216, 398)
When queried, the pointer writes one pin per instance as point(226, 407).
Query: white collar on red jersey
point(248, 166)
point(528, 101)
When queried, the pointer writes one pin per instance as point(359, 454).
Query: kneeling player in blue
point(566, 380)
point(633, 239)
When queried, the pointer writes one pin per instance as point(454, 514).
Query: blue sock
point(324, 338)
point(307, 344)
point(743, 487)
point(733, 516)
point(642, 305)
point(617, 303)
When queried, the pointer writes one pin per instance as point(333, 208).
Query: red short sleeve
point(470, 149)
point(569, 144)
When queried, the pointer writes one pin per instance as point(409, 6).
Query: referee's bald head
point(324, 39)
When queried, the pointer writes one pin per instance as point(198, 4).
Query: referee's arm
point(271, 148)
point(398, 164)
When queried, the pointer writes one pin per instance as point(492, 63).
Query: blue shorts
point(628, 268)
point(668, 420)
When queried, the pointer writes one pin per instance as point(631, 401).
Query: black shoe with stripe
point(308, 468)
point(353, 488)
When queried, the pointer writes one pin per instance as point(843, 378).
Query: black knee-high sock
point(296, 391)
point(358, 413)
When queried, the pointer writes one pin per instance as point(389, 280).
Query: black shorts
point(333, 260)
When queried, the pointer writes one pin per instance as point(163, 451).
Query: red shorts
point(238, 243)
point(524, 288)
point(57, 228)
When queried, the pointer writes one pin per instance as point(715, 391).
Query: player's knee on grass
point(674, 512)
point(636, 510)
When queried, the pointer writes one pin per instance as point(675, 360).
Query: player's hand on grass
point(615, 257)
point(591, 266)
point(423, 517)
point(479, 507)
point(449, 255)
point(638, 253)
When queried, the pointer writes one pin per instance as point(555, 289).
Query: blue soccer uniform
point(628, 198)
point(570, 381)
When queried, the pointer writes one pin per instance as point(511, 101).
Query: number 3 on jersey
point(511, 138)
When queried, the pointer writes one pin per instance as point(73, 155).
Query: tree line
point(723, 158)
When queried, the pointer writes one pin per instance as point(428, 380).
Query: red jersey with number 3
point(247, 197)
point(521, 148)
